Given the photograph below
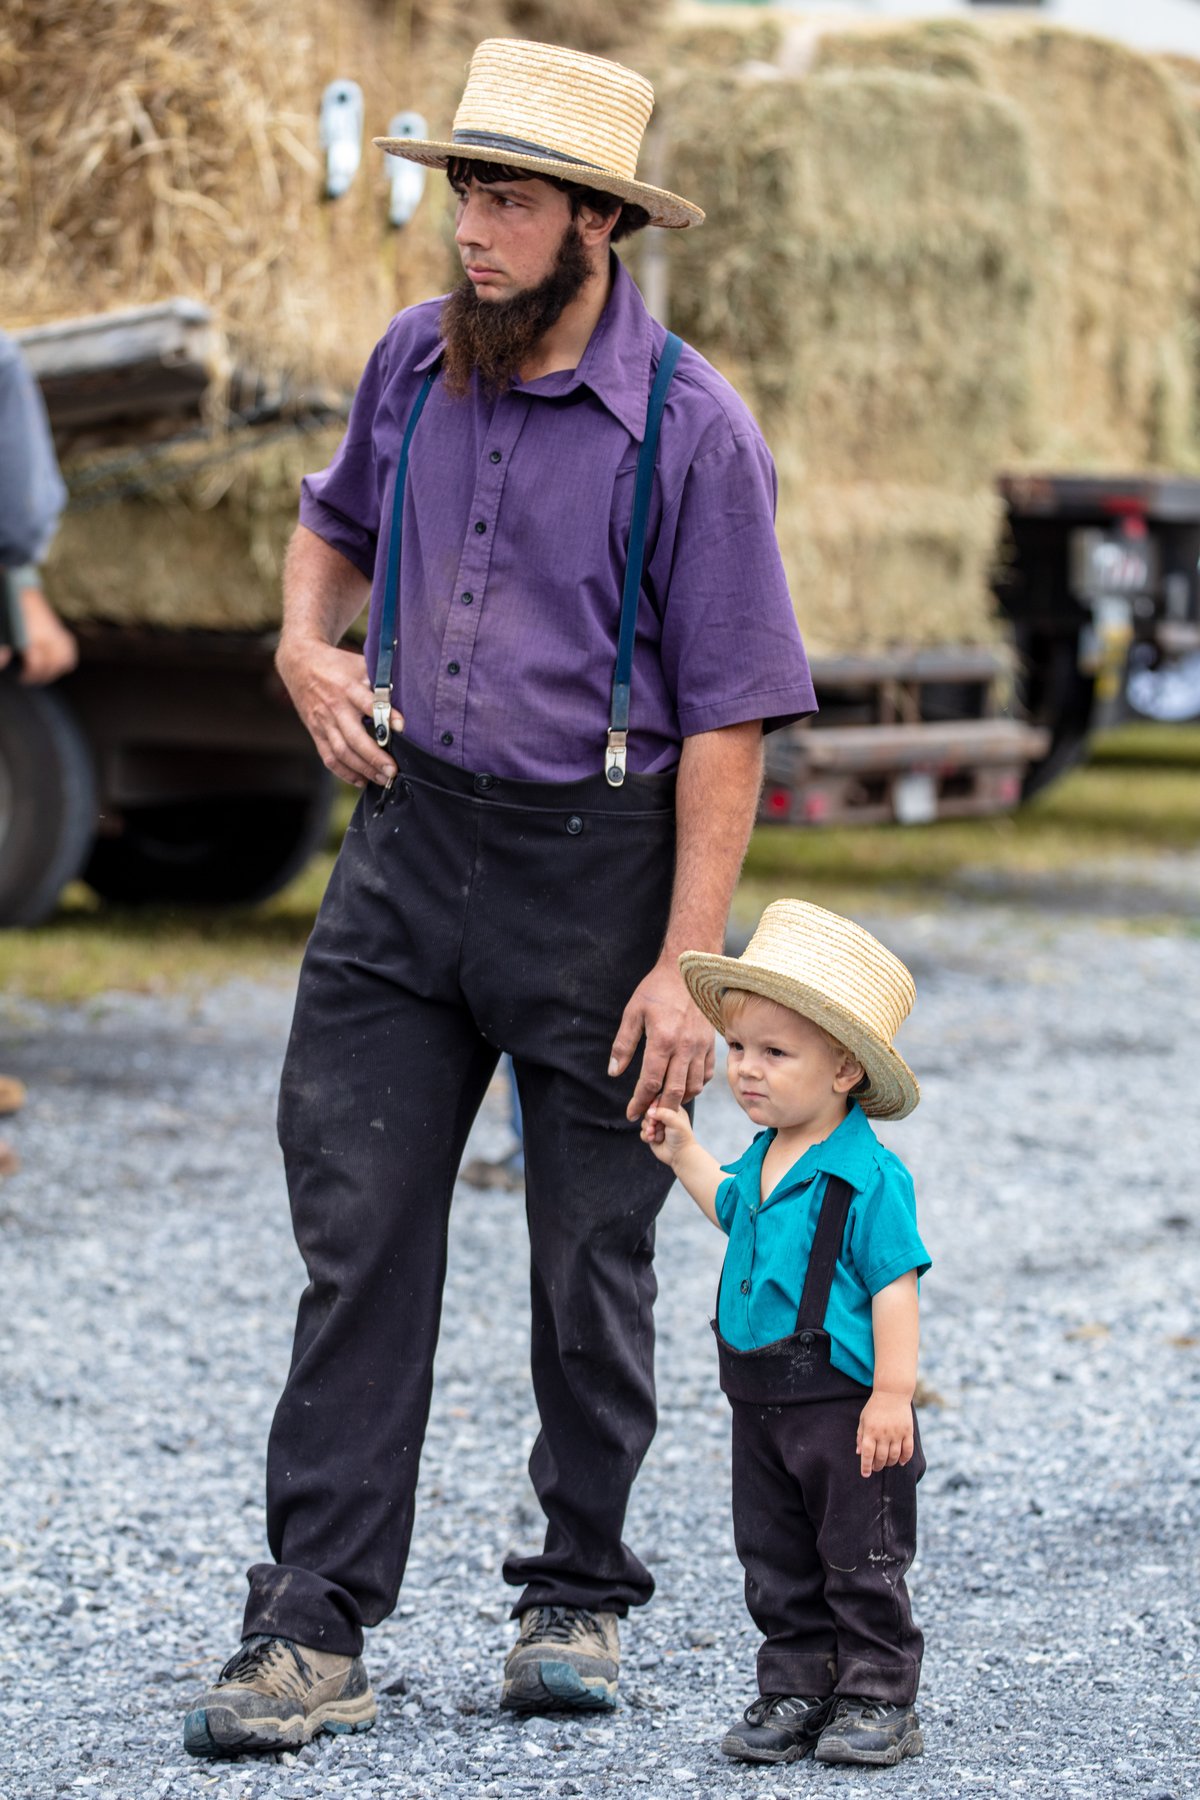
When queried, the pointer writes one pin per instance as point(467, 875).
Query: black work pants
point(825, 1552)
point(467, 915)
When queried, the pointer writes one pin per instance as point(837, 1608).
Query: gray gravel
point(149, 1282)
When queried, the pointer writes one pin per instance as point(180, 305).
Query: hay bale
point(863, 266)
point(874, 565)
point(201, 545)
point(176, 151)
point(1115, 236)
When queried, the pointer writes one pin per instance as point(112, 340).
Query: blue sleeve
point(726, 1204)
point(32, 495)
point(882, 1236)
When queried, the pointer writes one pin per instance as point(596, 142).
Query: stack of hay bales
point(1117, 233)
point(155, 148)
point(931, 253)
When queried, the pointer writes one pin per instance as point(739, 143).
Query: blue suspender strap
point(381, 707)
point(618, 723)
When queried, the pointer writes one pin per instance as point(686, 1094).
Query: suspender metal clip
point(614, 762)
point(381, 714)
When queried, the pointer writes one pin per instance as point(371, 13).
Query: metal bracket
point(614, 766)
point(381, 715)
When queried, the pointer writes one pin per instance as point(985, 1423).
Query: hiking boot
point(566, 1659)
point(276, 1695)
point(776, 1728)
point(869, 1731)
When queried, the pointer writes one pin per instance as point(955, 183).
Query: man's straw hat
point(554, 112)
point(834, 973)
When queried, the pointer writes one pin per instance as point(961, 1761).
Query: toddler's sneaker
point(775, 1728)
point(869, 1731)
point(566, 1659)
point(276, 1695)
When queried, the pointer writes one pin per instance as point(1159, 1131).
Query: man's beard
point(494, 337)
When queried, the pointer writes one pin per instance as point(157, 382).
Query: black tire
point(47, 801)
point(235, 849)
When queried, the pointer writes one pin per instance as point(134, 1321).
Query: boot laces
point(853, 1706)
point(563, 1624)
point(271, 1664)
point(781, 1706)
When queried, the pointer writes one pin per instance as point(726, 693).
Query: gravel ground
point(149, 1282)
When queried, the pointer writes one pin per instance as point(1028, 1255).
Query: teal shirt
point(770, 1241)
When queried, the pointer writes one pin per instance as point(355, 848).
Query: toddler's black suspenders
point(618, 719)
point(798, 1367)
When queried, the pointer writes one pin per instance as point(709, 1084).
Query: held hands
point(885, 1432)
point(679, 1056)
point(668, 1131)
point(330, 691)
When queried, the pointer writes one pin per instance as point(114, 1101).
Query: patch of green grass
point(1147, 745)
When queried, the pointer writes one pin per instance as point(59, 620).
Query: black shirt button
point(447, 737)
point(466, 599)
point(574, 825)
point(481, 526)
point(745, 1287)
point(452, 668)
point(495, 456)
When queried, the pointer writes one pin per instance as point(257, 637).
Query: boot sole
point(217, 1731)
point(743, 1752)
point(911, 1745)
point(557, 1687)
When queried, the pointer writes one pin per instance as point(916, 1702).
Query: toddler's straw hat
point(834, 973)
point(554, 112)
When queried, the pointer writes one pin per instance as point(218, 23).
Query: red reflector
point(778, 802)
point(1129, 509)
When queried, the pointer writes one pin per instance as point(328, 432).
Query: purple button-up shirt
point(514, 534)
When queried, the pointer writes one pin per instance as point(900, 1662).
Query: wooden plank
point(961, 743)
point(145, 362)
point(174, 331)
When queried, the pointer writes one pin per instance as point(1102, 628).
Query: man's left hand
point(679, 1056)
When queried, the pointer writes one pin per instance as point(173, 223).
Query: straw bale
point(1115, 234)
point(150, 148)
point(863, 270)
point(202, 545)
point(874, 565)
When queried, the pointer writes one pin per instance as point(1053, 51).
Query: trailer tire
point(47, 800)
point(214, 852)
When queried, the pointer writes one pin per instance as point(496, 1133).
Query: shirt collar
point(616, 363)
point(848, 1151)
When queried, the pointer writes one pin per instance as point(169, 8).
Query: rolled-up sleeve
point(342, 503)
point(731, 648)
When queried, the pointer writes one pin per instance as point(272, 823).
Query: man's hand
point(679, 1056)
point(330, 690)
point(50, 649)
point(885, 1432)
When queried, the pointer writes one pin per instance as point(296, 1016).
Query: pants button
point(484, 783)
point(574, 824)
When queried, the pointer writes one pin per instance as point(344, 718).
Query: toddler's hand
point(667, 1130)
point(885, 1433)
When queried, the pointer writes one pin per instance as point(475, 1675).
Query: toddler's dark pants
point(825, 1552)
point(466, 915)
